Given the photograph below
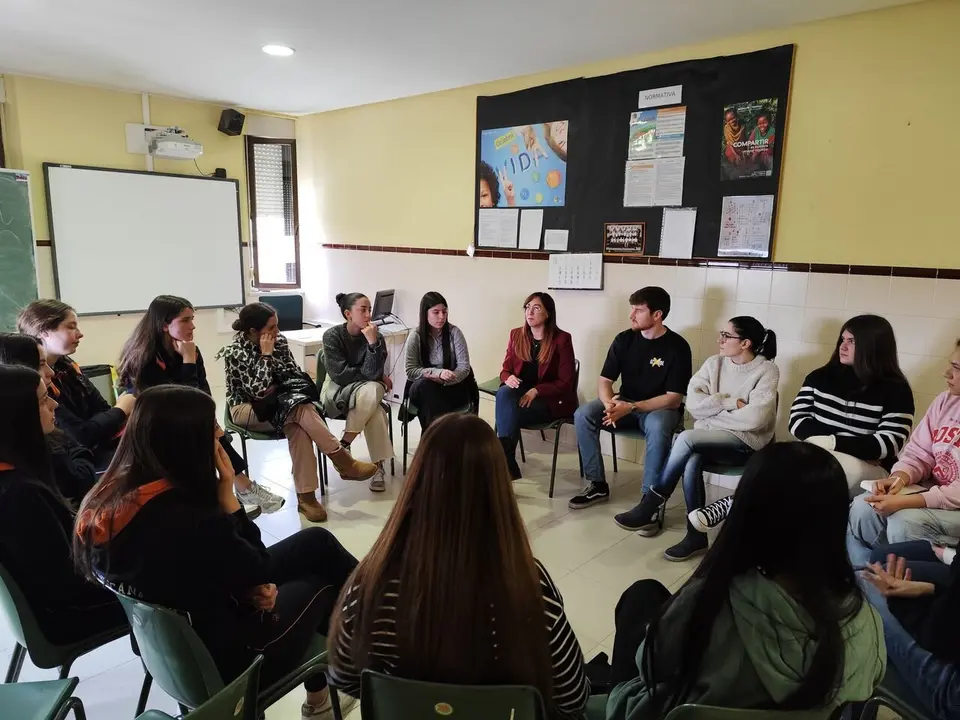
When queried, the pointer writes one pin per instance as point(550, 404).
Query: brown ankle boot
point(349, 468)
point(310, 507)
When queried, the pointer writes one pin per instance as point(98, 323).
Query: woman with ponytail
point(733, 400)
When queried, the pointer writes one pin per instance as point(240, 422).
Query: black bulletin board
point(599, 109)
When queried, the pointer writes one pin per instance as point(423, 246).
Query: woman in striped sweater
point(859, 406)
point(450, 591)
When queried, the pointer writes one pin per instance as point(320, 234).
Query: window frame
point(251, 141)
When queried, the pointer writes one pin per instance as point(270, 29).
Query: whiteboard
point(122, 237)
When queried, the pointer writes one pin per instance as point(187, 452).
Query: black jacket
point(167, 369)
point(74, 467)
point(171, 552)
point(933, 619)
point(35, 547)
point(84, 414)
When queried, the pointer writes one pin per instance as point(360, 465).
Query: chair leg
point(16, 663)
point(393, 459)
point(405, 431)
point(65, 670)
point(77, 707)
point(322, 470)
point(542, 436)
point(184, 710)
point(553, 470)
point(523, 455)
point(243, 449)
point(580, 460)
point(613, 445)
point(335, 702)
point(144, 692)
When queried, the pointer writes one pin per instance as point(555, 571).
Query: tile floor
point(590, 558)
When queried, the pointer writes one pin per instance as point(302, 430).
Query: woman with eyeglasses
point(733, 400)
point(538, 376)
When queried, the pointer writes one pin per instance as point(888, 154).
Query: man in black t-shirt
point(654, 365)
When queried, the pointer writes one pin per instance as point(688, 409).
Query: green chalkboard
point(18, 264)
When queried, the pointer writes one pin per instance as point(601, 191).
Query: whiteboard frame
point(53, 244)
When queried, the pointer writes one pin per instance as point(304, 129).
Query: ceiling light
point(278, 50)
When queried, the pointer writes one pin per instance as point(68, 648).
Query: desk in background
point(309, 342)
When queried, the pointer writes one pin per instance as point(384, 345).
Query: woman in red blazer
point(537, 375)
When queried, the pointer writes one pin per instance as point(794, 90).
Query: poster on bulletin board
point(524, 166)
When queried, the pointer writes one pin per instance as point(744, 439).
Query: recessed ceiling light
point(278, 50)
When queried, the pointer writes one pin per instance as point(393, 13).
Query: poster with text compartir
point(657, 133)
point(745, 225)
point(749, 139)
point(524, 166)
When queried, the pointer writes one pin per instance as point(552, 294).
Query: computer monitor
point(382, 306)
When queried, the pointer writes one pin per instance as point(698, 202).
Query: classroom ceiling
point(359, 51)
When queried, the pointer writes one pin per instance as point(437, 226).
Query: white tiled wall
point(806, 310)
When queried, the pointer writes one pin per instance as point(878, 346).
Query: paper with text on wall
point(576, 271)
point(653, 182)
point(498, 228)
point(676, 238)
point(669, 95)
point(745, 224)
point(531, 227)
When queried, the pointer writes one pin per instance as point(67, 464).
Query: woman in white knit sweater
point(733, 399)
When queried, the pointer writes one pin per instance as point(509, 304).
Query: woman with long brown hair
point(450, 591)
point(538, 375)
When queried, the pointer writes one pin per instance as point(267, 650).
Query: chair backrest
point(19, 615)
point(708, 712)
point(289, 310)
point(321, 370)
point(173, 653)
point(101, 376)
point(383, 697)
point(237, 701)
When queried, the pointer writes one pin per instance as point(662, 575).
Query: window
point(274, 222)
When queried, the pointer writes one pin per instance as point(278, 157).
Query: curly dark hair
point(487, 173)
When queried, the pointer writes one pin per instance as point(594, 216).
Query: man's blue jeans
point(689, 451)
point(657, 428)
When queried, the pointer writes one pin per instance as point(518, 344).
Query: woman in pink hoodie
point(931, 459)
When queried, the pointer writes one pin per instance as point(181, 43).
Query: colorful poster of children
point(524, 166)
point(749, 138)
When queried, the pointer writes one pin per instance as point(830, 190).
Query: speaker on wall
point(231, 122)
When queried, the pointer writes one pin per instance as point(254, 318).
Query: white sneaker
point(378, 483)
point(325, 711)
point(712, 515)
point(261, 497)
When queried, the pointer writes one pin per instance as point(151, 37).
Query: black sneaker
point(693, 544)
point(647, 517)
point(591, 495)
point(712, 515)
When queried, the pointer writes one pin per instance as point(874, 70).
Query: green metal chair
point(408, 412)
point(43, 653)
point(490, 387)
point(899, 699)
point(383, 697)
point(46, 700)
point(387, 408)
point(182, 666)
point(708, 712)
point(237, 701)
point(245, 434)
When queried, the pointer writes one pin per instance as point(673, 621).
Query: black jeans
point(434, 399)
point(635, 609)
point(309, 569)
point(236, 459)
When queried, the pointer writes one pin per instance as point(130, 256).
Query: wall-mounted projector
point(173, 143)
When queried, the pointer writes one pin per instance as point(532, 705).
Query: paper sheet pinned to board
point(531, 227)
point(555, 240)
point(745, 225)
point(676, 238)
point(498, 228)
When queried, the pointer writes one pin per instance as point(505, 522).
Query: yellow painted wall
point(50, 121)
point(870, 172)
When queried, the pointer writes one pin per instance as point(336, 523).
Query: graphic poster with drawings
point(749, 138)
point(745, 225)
point(524, 166)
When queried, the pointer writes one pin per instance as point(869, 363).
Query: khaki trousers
point(367, 417)
point(304, 429)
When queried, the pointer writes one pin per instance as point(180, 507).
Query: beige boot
point(349, 468)
point(310, 507)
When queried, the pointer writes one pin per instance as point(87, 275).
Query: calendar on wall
point(576, 271)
